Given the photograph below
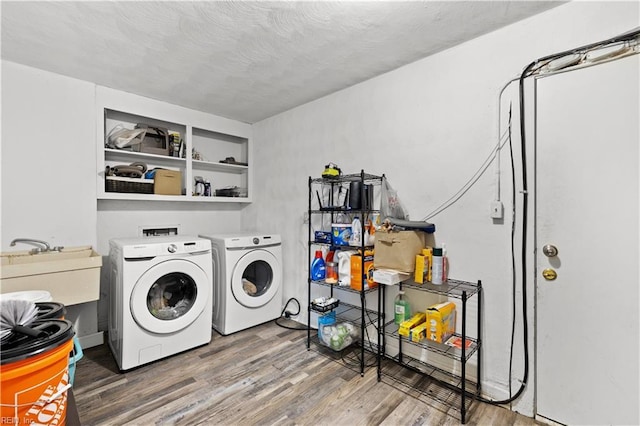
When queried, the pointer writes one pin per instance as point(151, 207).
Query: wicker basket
point(129, 185)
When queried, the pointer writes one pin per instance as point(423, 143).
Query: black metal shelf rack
point(445, 386)
point(365, 353)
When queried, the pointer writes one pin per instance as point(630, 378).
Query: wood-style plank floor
point(261, 376)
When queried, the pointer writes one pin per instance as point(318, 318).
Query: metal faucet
point(45, 246)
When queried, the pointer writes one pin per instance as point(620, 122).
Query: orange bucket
point(34, 374)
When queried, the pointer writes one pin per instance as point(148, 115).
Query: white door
point(587, 196)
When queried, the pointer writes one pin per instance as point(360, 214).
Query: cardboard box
point(406, 326)
point(356, 270)
point(389, 276)
point(428, 262)
point(418, 333)
point(167, 182)
point(420, 272)
point(424, 262)
point(398, 250)
point(441, 321)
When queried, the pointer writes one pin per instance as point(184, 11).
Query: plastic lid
point(48, 310)
point(437, 251)
point(319, 254)
point(17, 346)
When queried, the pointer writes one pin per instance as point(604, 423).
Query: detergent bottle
point(318, 267)
point(344, 267)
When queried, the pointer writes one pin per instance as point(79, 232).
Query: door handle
point(550, 250)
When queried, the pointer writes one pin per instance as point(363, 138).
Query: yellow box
point(167, 182)
point(419, 332)
point(428, 262)
point(419, 273)
point(356, 270)
point(441, 321)
point(406, 326)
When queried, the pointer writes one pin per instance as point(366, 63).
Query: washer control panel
point(148, 247)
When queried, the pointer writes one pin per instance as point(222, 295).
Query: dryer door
point(256, 278)
point(169, 296)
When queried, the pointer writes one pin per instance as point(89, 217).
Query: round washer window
point(171, 296)
point(257, 278)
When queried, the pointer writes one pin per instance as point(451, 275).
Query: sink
point(71, 275)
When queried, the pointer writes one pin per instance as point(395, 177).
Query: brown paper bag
point(397, 250)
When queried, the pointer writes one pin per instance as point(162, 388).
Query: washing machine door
point(256, 278)
point(170, 296)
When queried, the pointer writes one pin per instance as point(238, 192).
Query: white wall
point(49, 178)
point(428, 126)
point(48, 157)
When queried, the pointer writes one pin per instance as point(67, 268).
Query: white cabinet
point(214, 149)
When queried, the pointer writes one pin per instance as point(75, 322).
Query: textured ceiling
point(245, 60)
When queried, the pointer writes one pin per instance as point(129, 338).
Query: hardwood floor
point(260, 376)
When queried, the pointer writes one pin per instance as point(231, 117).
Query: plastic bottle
point(331, 271)
point(437, 270)
point(318, 268)
point(445, 264)
point(402, 311)
point(356, 232)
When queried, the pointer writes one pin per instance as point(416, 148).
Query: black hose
point(287, 314)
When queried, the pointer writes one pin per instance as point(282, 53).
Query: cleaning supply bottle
point(369, 234)
point(401, 309)
point(318, 268)
point(331, 270)
point(437, 270)
point(445, 264)
point(356, 232)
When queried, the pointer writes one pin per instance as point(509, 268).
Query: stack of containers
point(34, 359)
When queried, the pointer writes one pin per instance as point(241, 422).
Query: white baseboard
point(494, 392)
point(546, 421)
point(91, 340)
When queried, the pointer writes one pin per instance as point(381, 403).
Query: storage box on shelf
point(167, 182)
point(176, 140)
point(327, 201)
point(460, 347)
point(128, 185)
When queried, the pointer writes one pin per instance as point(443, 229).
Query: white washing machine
point(160, 297)
point(247, 280)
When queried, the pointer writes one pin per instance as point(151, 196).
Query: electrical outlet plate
point(497, 210)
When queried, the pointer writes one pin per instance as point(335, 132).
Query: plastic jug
point(344, 267)
point(356, 232)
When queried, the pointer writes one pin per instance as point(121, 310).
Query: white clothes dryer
point(247, 280)
point(160, 297)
